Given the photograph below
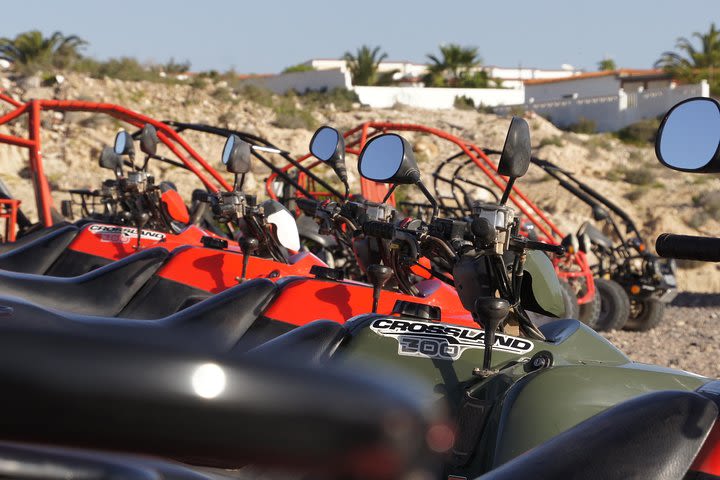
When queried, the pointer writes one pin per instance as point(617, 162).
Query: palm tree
point(31, 49)
point(607, 64)
point(456, 62)
point(364, 65)
point(688, 58)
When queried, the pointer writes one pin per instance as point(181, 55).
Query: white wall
point(302, 81)
point(436, 98)
point(613, 112)
point(527, 73)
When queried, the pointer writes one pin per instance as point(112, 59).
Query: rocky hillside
point(660, 200)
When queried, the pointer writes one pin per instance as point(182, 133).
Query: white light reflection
point(208, 381)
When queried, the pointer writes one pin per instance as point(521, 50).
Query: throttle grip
point(379, 229)
point(688, 247)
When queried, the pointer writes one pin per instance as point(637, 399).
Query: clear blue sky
point(265, 36)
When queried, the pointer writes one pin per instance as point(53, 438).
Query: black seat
point(104, 291)
point(85, 391)
point(31, 237)
point(313, 343)
point(215, 324)
point(37, 254)
point(656, 435)
point(307, 228)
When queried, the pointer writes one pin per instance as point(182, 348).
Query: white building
point(595, 84)
point(611, 99)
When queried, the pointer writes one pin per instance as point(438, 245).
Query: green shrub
point(697, 220)
point(298, 68)
point(222, 94)
point(555, 140)
point(636, 194)
point(261, 96)
point(599, 141)
point(463, 102)
point(124, 68)
point(709, 202)
point(639, 176)
point(475, 80)
point(288, 116)
point(639, 133)
point(583, 125)
point(342, 98)
point(199, 82)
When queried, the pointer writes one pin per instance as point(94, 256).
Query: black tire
point(572, 309)
point(614, 305)
point(588, 313)
point(645, 314)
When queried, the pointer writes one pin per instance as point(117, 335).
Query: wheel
point(588, 313)
point(572, 309)
point(614, 305)
point(645, 314)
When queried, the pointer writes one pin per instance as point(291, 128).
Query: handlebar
point(545, 247)
point(688, 247)
point(307, 205)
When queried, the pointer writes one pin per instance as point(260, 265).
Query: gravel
point(688, 337)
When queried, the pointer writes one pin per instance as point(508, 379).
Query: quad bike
point(287, 189)
point(513, 394)
point(143, 411)
point(458, 189)
point(648, 281)
point(572, 268)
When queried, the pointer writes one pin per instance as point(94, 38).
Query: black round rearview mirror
point(110, 160)
point(325, 143)
point(389, 158)
point(689, 136)
point(149, 140)
point(599, 213)
point(515, 157)
point(124, 143)
point(236, 155)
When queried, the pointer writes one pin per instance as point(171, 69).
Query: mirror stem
point(238, 185)
point(389, 193)
point(508, 189)
point(430, 199)
point(347, 191)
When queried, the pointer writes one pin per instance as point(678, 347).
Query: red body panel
point(708, 460)
point(307, 300)
point(217, 270)
point(114, 242)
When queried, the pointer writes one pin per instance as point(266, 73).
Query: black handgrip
point(688, 247)
point(307, 205)
point(379, 229)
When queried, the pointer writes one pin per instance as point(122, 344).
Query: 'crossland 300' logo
point(443, 342)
